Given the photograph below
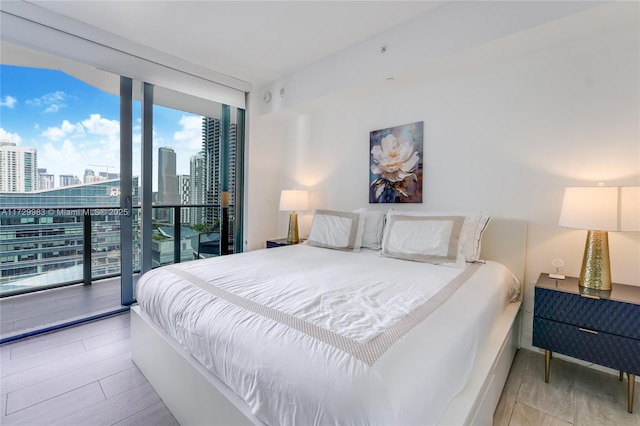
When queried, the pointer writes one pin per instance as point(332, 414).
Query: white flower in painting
point(394, 159)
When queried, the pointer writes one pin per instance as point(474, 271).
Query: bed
point(310, 335)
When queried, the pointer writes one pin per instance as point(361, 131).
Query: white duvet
point(308, 335)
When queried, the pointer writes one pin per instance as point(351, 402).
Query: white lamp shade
point(601, 208)
point(294, 200)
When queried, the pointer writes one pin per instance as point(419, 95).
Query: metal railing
point(42, 248)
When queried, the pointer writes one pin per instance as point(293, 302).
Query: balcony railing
point(42, 248)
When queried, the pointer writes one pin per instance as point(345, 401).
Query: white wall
point(264, 155)
point(504, 138)
point(449, 27)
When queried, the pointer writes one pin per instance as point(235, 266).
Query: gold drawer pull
point(590, 296)
point(587, 330)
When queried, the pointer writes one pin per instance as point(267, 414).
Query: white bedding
point(307, 335)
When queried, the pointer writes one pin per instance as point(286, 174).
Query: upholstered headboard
point(505, 241)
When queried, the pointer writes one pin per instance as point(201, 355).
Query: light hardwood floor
point(84, 375)
point(575, 395)
point(81, 375)
point(49, 308)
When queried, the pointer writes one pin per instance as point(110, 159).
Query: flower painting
point(395, 172)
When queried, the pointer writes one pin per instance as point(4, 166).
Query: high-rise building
point(196, 193)
point(212, 144)
point(45, 180)
point(167, 182)
point(18, 167)
point(69, 180)
point(89, 176)
point(184, 187)
point(231, 164)
point(51, 242)
point(211, 147)
point(108, 176)
point(211, 136)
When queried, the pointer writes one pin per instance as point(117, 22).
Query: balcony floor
point(27, 313)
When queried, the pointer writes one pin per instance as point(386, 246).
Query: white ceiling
point(254, 41)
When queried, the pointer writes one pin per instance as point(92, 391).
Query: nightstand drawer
point(620, 353)
point(596, 314)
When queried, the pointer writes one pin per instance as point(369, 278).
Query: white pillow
point(423, 238)
point(336, 230)
point(373, 227)
point(473, 240)
point(474, 226)
point(471, 236)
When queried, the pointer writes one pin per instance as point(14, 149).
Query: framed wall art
point(395, 170)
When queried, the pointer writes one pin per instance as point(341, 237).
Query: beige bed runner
point(367, 352)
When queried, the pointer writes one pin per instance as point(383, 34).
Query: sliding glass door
point(105, 179)
point(59, 177)
point(195, 153)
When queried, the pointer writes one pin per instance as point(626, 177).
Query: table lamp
point(292, 200)
point(599, 209)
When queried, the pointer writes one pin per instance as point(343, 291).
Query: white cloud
point(98, 125)
point(66, 129)
point(61, 158)
point(95, 125)
point(187, 141)
point(190, 135)
point(52, 102)
point(71, 147)
point(9, 102)
point(8, 136)
point(52, 108)
point(95, 140)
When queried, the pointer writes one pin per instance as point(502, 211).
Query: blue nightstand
point(280, 242)
point(602, 327)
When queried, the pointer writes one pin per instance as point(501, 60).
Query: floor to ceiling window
point(96, 223)
point(59, 162)
point(61, 195)
point(195, 154)
point(60, 218)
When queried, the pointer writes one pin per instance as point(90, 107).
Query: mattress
point(307, 335)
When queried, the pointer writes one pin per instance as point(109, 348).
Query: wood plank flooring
point(29, 312)
point(84, 375)
point(575, 395)
point(80, 375)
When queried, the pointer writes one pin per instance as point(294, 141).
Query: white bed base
point(196, 397)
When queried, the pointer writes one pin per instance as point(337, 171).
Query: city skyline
point(46, 253)
point(75, 126)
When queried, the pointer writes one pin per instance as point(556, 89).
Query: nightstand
point(602, 327)
point(280, 242)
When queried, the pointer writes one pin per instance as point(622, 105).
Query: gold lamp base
point(292, 236)
point(596, 268)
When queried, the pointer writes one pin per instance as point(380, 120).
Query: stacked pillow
point(470, 237)
point(336, 230)
point(424, 238)
point(348, 231)
point(373, 228)
point(442, 238)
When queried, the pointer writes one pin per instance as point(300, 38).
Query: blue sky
point(73, 124)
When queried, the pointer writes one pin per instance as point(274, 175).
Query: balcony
point(59, 266)
point(37, 312)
